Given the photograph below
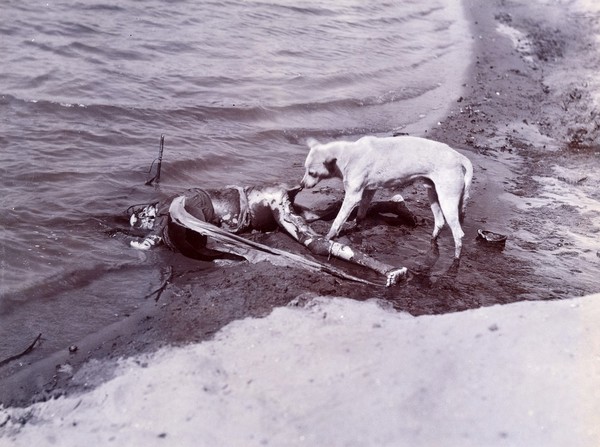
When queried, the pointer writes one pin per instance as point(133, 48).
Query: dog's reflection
point(422, 273)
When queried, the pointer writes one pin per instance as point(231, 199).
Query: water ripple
point(87, 88)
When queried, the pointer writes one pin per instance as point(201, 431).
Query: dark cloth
point(197, 202)
point(191, 244)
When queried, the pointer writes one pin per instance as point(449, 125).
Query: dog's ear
point(311, 142)
point(331, 165)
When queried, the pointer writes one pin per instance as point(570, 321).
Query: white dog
point(372, 163)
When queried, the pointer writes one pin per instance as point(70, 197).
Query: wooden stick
point(160, 155)
point(161, 147)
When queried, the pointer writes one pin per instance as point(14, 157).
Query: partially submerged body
point(238, 210)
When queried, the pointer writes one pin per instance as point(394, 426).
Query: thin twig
point(162, 287)
point(25, 352)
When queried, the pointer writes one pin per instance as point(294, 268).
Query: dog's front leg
point(351, 200)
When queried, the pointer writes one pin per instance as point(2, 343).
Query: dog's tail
point(468, 167)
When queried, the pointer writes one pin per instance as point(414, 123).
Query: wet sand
point(509, 120)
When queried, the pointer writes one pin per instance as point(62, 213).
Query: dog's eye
point(312, 173)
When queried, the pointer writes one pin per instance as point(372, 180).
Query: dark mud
point(534, 181)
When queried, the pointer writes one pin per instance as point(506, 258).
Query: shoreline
point(493, 121)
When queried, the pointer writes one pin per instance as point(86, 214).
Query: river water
point(236, 86)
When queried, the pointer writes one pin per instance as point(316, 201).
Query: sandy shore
point(335, 372)
point(485, 376)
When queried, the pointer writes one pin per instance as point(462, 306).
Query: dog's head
point(320, 164)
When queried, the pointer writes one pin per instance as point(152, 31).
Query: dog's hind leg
point(449, 204)
point(438, 215)
point(468, 178)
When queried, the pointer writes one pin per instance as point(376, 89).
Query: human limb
point(147, 243)
point(395, 206)
point(148, 219)
point(297, 227)
point(322, 246)
point(363, 206)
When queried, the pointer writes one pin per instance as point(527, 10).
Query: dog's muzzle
point(308, 182)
